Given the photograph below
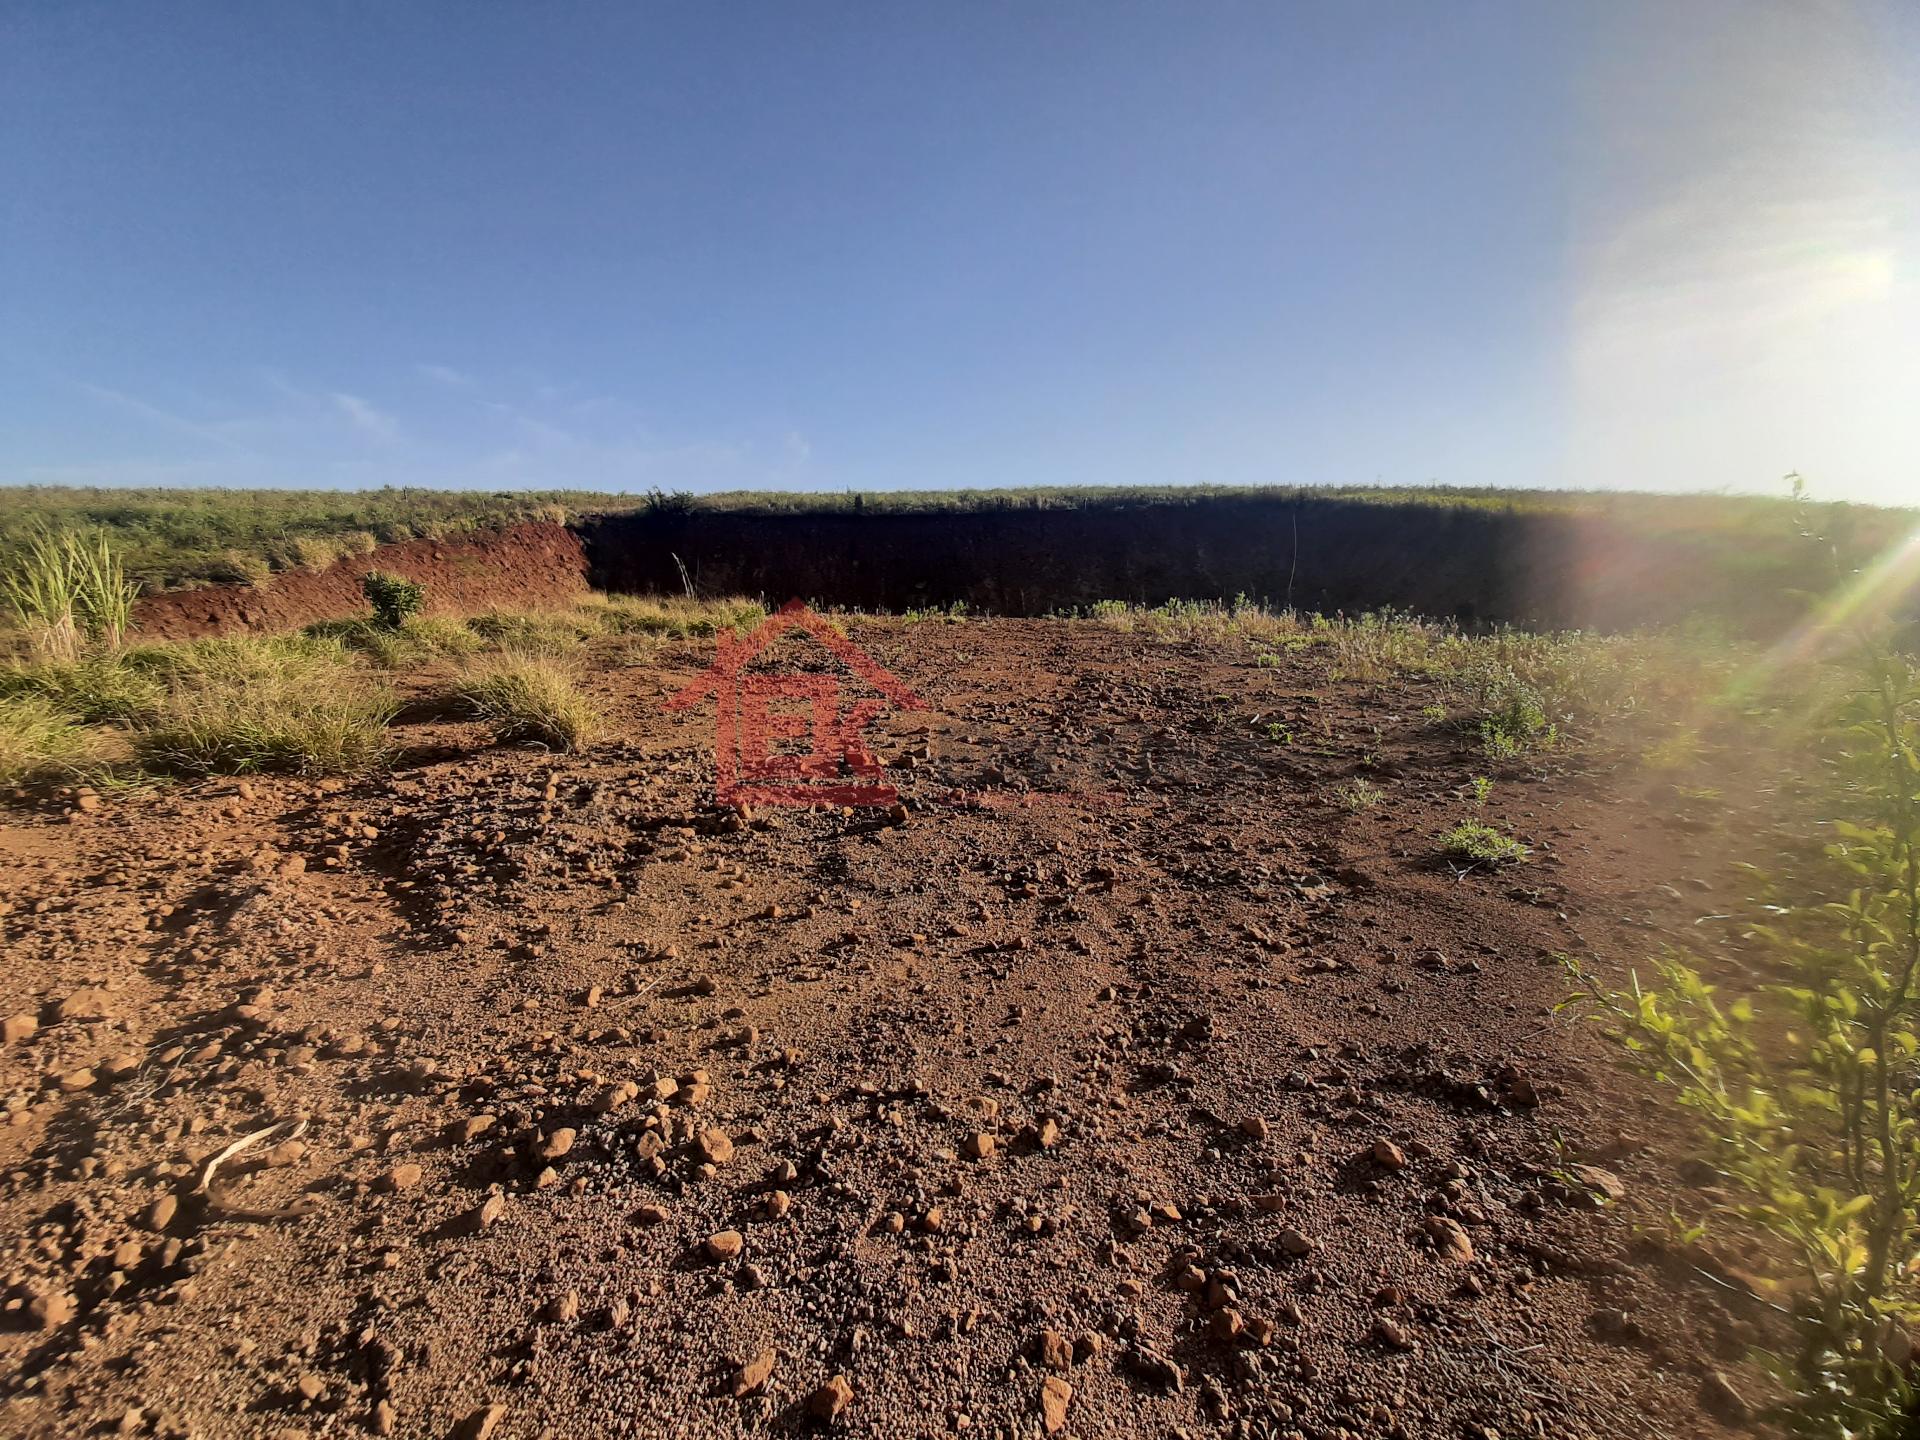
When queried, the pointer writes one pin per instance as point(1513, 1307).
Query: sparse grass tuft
point(673, 617)
point(530, 697)
point(530, 632)
point(92, 689)
point(1482, 843)
point(1358, 795)
point(41, 743)
point(415, 641)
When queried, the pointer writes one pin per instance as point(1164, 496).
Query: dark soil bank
point(1476, 565)
point(525, 566)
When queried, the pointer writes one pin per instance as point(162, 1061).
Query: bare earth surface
point(1179, 1099)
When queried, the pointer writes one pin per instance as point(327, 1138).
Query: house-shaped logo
point(838, 768)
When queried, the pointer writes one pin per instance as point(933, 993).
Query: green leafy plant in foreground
point(1807, 1092)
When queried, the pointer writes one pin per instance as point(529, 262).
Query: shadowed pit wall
point(1476, 565)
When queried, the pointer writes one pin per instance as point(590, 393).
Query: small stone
point(1156, 1369)
point(1388, 1155)
point(1225, 1325)
point(715, 1146)
point(1449, 1238)
point(830, 1399)
point(978, 1146)
point(286, 1153)
point(160, 1214)
point(563, 1308)
point(481, 1423)
point(1053, 1350)
point(752, 1377)
point(87, 1004)
point(76, 1080)
point(487, 1212)
point(1255, 1127)
point(650, 1214)
point(385, 1417)
point(556, 1144)
point(473, 1127)
point(776, 1204)
point(1294, 1243)
point(725, 1245)
point(1390, 1333)
point(1601, 1182)
point(16, 1028)
point(401, 1177)
point(52, 1310)
point(311, 1387)
point(1055, 1395)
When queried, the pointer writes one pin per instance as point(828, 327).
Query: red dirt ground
point(520, 567)
point(1233, 1053)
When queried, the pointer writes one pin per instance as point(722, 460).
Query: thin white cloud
point(543, 432)
point(445, 375)
point(166, 419)
point(367, 418)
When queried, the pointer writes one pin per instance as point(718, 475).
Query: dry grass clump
point(234, 707)
point(93, 688)
point(530, 698)
point(675, 617)
point(41, 743)
point(417, 640)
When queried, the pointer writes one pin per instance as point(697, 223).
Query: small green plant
point(1515, 722)
point(1358, 795)
point(1807, 1092)
point(1278, 733)
point(531, 698)
point(393, 597)
point(1482, 844)
point(1482, 788)
point(1434, 714)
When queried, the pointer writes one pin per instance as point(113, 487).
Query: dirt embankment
point(523, 566)
point(1588, 571)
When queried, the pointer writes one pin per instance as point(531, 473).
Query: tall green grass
point(65, 590)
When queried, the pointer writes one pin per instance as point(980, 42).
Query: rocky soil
point(1130, 1084)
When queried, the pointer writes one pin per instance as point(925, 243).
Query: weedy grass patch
point(1483, 844)
point(240, 706)
point(530, 698)
point(40, 744)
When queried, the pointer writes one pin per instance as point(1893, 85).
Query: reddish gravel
point(1184, 1101)
point(518, 567)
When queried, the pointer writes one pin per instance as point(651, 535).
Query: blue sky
point(888, 245)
